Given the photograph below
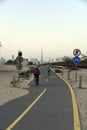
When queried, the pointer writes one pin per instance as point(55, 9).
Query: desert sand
point(9, 92)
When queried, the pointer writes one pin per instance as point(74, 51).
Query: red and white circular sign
point(76, 52)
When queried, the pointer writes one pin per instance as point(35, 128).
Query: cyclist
point(49, 71)
point(36, 74)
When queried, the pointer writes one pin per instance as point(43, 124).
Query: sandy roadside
point(7, 91)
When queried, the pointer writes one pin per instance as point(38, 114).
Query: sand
point(8, 92)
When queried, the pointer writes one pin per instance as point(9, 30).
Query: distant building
point(25, 62)
point(49, 61)
point(58, 59)
point(2, 61)
point(34, 61)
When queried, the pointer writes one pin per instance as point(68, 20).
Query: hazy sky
point(59, 26)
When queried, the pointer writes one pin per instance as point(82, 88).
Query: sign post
point(76, 59)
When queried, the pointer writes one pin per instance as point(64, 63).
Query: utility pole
point(41, 55)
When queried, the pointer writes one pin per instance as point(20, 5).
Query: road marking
point(26, 111)
point(27, 82)
point(75, 108)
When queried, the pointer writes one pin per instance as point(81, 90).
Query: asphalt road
point(48, 106)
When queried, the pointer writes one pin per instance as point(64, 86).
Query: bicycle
point(36, 79)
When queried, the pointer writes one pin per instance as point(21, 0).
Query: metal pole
point(62, 71)
point(76, 72)
point(69, 75)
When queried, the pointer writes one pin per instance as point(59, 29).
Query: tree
point(67, 59)
point(84, 57)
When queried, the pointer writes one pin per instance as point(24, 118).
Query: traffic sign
point(76, 52)
point(76, 60)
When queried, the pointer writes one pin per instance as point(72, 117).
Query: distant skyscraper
point(41, 55)
point(2, 61)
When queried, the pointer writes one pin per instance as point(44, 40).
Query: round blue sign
point(76, 60)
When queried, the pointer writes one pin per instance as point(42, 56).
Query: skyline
point(58, 26)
